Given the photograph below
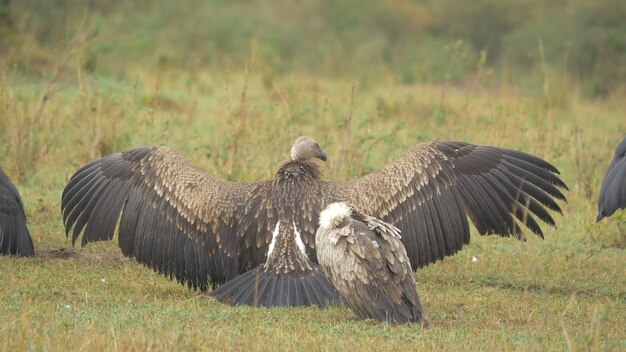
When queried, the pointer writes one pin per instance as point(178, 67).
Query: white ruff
point(333, 214)
point(274, 236)
point(299, 239)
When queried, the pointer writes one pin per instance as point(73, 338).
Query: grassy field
point(565, 292)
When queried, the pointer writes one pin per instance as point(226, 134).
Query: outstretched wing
point(172, 217)
point(14, 236)
point(613, 191)
point(430, 189)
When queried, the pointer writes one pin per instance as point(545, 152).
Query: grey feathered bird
point(365, 260)
point(14, 236)
point(204, 231)
point(613, 191)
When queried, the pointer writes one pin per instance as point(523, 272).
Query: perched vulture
point(365, 260)
point(204, 231)
point(14, 236)
point(613, 191)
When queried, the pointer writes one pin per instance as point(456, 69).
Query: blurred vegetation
point(406, 41)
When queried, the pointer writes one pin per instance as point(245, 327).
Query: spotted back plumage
point(289, 275)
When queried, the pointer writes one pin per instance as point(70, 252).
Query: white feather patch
point(274, 236)
point(299, 239)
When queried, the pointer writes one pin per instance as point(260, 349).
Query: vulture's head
point(335, 215)
point(306, 148)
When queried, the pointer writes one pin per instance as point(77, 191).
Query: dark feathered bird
point(613, 191)
point(365, 260)
point(204, 231)
point(14, 236)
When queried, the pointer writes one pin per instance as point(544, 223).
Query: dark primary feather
point(14, 236)
point(430, 189)
point(613, 191)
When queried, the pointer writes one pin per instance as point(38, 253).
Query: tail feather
point(261, 288)
point(295, 293)
point(327, 289)
point(265, 292)
point(246, 288)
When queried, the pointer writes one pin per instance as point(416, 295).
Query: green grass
point(565, 292)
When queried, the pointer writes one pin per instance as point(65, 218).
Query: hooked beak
point(322, 155)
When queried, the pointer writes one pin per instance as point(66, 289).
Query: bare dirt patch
point(80, 254)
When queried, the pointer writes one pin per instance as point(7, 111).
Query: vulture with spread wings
point(259, 238)
point(14, 236)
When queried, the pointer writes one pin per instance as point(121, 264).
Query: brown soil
point(71, 253)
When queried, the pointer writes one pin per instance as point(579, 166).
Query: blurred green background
point(402, 41)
